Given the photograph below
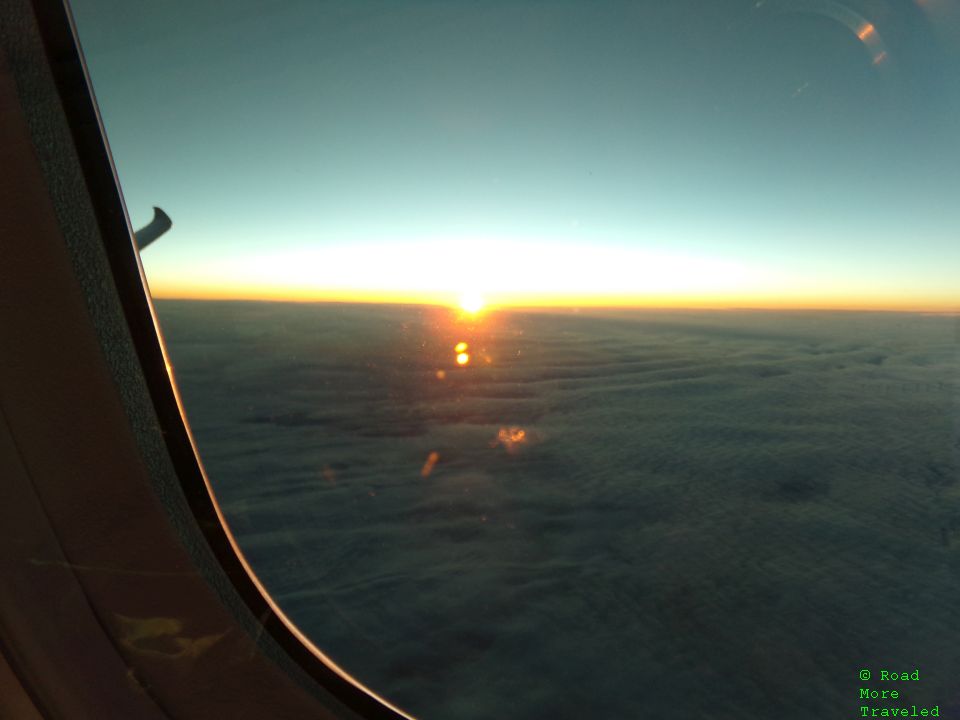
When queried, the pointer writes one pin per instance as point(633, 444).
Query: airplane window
point(569, 360)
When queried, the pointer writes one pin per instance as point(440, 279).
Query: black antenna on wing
point(155, 228)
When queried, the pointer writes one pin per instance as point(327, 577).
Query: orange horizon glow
point(485, 276)
point(890, 302)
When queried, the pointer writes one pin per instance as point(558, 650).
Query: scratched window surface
point(569, 360)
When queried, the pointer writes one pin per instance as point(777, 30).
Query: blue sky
point(800, 150)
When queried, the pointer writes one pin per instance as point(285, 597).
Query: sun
point(472, 302)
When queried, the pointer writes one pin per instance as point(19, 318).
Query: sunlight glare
point(471, 302)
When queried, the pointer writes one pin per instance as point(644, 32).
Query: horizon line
point(949, 309)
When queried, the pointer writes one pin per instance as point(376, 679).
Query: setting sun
point(471, 302)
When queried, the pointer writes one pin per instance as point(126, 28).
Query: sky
point(710, 153)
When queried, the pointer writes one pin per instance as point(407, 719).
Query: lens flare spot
point(441, 374)
point(463, 358)
point(432, 459)
point(329, 475)
point(511, 438)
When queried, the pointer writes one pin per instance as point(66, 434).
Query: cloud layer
point(713, 515)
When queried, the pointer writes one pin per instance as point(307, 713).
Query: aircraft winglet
point(155, 228)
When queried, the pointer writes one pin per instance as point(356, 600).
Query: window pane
point(569, 359)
